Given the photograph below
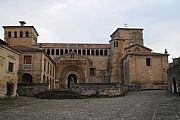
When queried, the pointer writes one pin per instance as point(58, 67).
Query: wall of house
point(148, 77)
point(8, 55)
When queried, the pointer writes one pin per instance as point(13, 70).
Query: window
point(70, 50)
point(101, 52)
point(27, 59)
point(84, 52)
point(10, 67)
point(92, 52)
point(75, 51)
point(57, 51)
point(48, 51)
point(92, 71)
point(66, 51)
point(61, 52)
point(52, 52)
point(15, 34)
point(44, 64)
point(79, 52)
point(21, 34)
point(116, 44)
point(27, 34)
point(105, 52)
point(88, 52)
point(148, 61)
point(97, 52)
point(9, 34)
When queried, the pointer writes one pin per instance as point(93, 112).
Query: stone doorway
point(10, 88)
point(174, 86)
point(27, 78)
point(72, 78)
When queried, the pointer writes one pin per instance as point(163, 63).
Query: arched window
point(57, 51)
point(105, 52)
point(92, 52)
point(52, 52)
point(79, 52)
point(21, 34)
point(61, 51)
point(97, 52)
point(70, 50)
point(84, 52)
point(75, 50)
point(15, 34)
point(48, 51)
point(88, 52)
point(101, 52)
point(66, 51)
point(9, 34)
point(27, 34)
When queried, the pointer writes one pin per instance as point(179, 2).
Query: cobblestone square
point(138, 105)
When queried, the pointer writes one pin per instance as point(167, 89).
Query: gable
point(137, 48)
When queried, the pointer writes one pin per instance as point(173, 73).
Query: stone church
point(124, 59)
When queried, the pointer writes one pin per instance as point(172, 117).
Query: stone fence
point(31, 89)
point(99, 89)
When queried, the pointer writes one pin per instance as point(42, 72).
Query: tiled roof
point(147, 54)
point(74, 45)
point(26, 49)
point(139, 46)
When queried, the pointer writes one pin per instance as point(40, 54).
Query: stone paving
point(139, 105)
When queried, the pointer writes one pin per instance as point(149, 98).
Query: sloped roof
point(139, 46)
point(27, 49)
point(125, 29)
point(3, 42)
point(147, 54)
point(74, 45)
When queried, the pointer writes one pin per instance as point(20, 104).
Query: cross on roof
point(125, 25)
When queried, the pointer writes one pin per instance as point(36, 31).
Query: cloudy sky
point(92, 21)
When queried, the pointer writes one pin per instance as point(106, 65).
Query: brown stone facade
point(124, 60)
point(9, 65)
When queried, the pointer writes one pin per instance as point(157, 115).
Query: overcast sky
point(93, 21)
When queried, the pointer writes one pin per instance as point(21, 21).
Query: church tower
point(20, 35)
point(120, 39)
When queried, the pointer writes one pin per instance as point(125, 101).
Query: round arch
point(27, 78)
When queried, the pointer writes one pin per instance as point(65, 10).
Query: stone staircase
point(59, 94)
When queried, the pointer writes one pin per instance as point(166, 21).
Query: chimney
point(22, 23)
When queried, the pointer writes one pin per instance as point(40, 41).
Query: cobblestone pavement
point(142, 105)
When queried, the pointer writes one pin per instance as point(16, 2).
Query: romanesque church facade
point(124, 59)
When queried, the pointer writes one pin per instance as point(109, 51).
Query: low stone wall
point(31, 89)
point(99, 89)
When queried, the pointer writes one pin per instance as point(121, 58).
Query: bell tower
point(20, 35)
point(120, 39)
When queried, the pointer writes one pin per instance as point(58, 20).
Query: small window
point(15, 34)
point(27, 59)
point(92, 71)
point(84, 52)
point(97, 52)
point(101, 52)
point(9, 34)
point(116, 44)
point(57, 51)
point(75, 51)
point(48, 51)
point(66, 51)
point(105, 52)
point(21, 34)
point(52, 52)
point(70, 50)
point(44, 64)
point(27, 34)
point(10, 67)
point(92, 52)
point(79, 52)
point(148, 61)
point(88, 52)
point(61, 51)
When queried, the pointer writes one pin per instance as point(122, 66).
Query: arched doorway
point(72, 78)
point(27, 78)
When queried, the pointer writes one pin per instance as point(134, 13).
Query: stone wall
point(31, 89)
point(99, 89)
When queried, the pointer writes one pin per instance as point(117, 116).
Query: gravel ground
point(140, 105)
